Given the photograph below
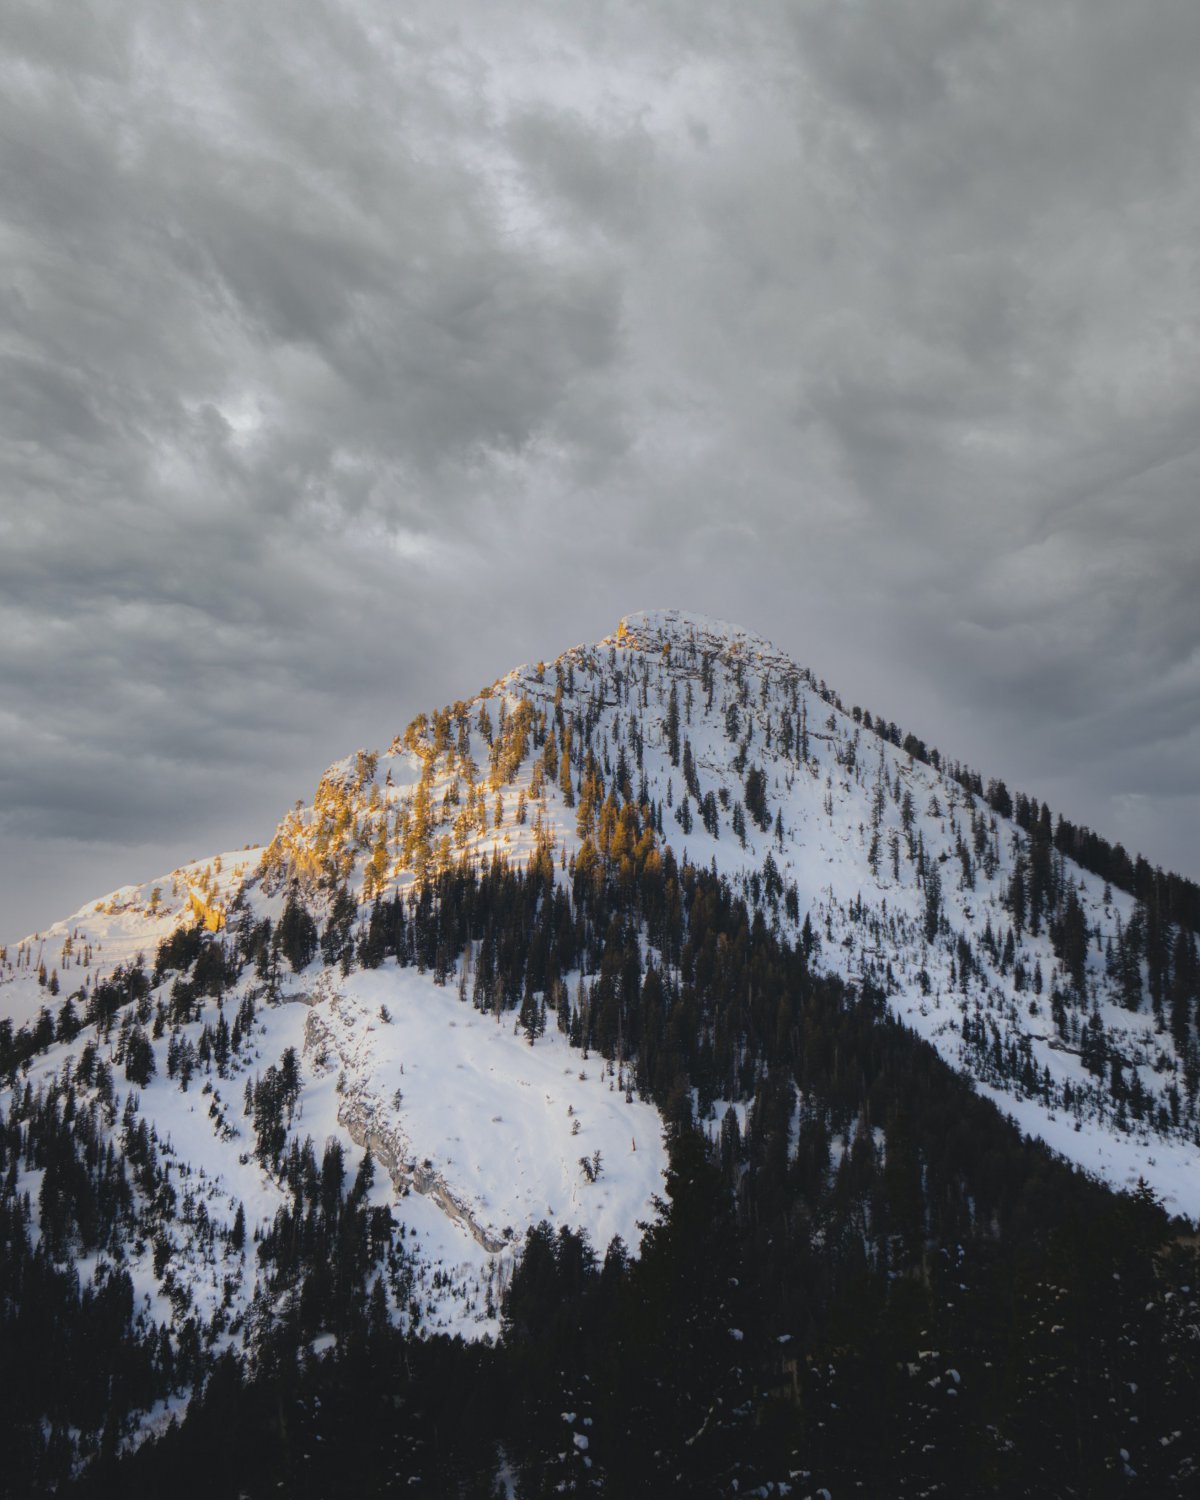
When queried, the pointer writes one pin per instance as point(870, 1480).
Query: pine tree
point(139, 1058)
point(565, 781)
point(933, 903)
point(297, 931)
point(756, 797)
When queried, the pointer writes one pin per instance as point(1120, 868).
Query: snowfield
point(477, 1136)
point(489, 1131)
point(506, 1122)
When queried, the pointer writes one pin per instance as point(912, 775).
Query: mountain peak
point(652, 629)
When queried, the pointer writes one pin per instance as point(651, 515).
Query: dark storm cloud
point(349, 357)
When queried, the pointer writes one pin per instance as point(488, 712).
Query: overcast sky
point(352, 354)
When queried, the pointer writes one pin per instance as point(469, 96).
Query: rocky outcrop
point(365, 1118)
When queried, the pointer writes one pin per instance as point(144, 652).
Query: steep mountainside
point(454, 956)
point(1024, 969)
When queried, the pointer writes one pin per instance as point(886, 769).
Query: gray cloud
point(345, 364)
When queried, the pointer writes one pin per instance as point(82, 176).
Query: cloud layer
point(348, 359)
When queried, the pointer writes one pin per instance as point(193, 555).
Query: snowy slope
point(114, 930)
point(478, 1135)
point(461, 1111)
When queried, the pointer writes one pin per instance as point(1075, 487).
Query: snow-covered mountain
point(906, 877)
point(273, 1014)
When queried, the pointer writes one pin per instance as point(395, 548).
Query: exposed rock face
point(371, 1124)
